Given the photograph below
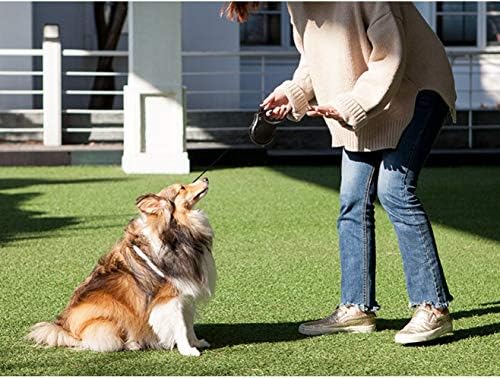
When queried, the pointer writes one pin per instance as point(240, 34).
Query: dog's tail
point(52, 335)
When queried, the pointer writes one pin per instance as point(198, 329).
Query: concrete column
point(154, 123)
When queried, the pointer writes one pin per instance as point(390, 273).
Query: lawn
point(276, 251)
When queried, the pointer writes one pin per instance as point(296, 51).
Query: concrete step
point(39, 155)
point(202, 155)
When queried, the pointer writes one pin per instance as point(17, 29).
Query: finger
point(330, 115)
point(269, 98)
point(314, 114)
point(273, 113)
point(276, 116)
point(268, 101)
point(283, 111)
point(324, 108)
point(318, 112)
point(330, 112)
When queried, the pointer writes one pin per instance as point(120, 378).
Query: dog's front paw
point(189, 351)
point(133, 346)
point(202, 344)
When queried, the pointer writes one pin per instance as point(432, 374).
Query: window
point(493, 23)
point(468, 24)
point(456, 23)
point(267, 26)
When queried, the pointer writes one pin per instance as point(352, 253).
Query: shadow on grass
point(464, 198)
point(18, 223)
point(491, 303)
point(222, 335)
point(478, 331)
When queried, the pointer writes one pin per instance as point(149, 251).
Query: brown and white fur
point(128, 303)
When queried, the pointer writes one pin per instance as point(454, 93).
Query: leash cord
point(212, 165)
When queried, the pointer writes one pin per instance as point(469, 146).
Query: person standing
point(380, 77)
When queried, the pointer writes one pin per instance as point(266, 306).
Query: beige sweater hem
point(380, 134)
point(388, 138)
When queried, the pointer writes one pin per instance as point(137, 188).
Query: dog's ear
point(169, 193)
point(151, 203)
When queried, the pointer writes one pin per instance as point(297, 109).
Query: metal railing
point(250, 67)
point(467, 68)
point(85, 92)
point(21, 73)
point(52, 90)
point(14, 53)
point(217, 81)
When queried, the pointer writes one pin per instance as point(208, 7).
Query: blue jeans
point(392, 176)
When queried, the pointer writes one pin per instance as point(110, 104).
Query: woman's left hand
point(326, 111)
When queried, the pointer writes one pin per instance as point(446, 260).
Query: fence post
point(52, 86)
point(471, 77)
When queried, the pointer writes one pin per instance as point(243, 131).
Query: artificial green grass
point(276, 251)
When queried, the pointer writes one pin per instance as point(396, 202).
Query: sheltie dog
point(142, 294)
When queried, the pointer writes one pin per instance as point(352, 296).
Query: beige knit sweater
point(368, 60)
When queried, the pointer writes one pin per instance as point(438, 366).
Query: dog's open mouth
point(201, 194)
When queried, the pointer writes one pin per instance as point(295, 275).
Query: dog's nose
point(205, 180)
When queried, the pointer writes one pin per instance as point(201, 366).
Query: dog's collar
point(148, 261)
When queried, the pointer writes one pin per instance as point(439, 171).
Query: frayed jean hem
point(361, 307)
point(433, 304)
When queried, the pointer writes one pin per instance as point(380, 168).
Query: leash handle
point(270, 121)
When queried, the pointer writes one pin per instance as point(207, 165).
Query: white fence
point(52, 90)
point(210, 88)
point(218, 81)
point(477, 82)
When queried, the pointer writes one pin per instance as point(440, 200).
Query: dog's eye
point(183, 188)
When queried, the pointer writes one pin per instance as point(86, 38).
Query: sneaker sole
point(405, 339)
point(345, 329)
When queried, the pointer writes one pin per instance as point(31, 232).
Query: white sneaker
point(424, 326)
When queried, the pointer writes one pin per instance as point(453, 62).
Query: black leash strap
point(212, 165)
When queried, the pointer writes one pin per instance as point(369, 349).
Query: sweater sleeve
point(375, 88)
point(299, 90)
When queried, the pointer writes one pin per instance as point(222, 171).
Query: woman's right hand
point(277, 105)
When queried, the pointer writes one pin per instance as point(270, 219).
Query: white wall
point(485, 81)
point(15, 33)
point(204, 30)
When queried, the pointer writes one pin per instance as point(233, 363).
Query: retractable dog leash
point(261, 132)
point(262, 129)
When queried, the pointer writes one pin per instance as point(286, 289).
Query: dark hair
point(238, 10)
